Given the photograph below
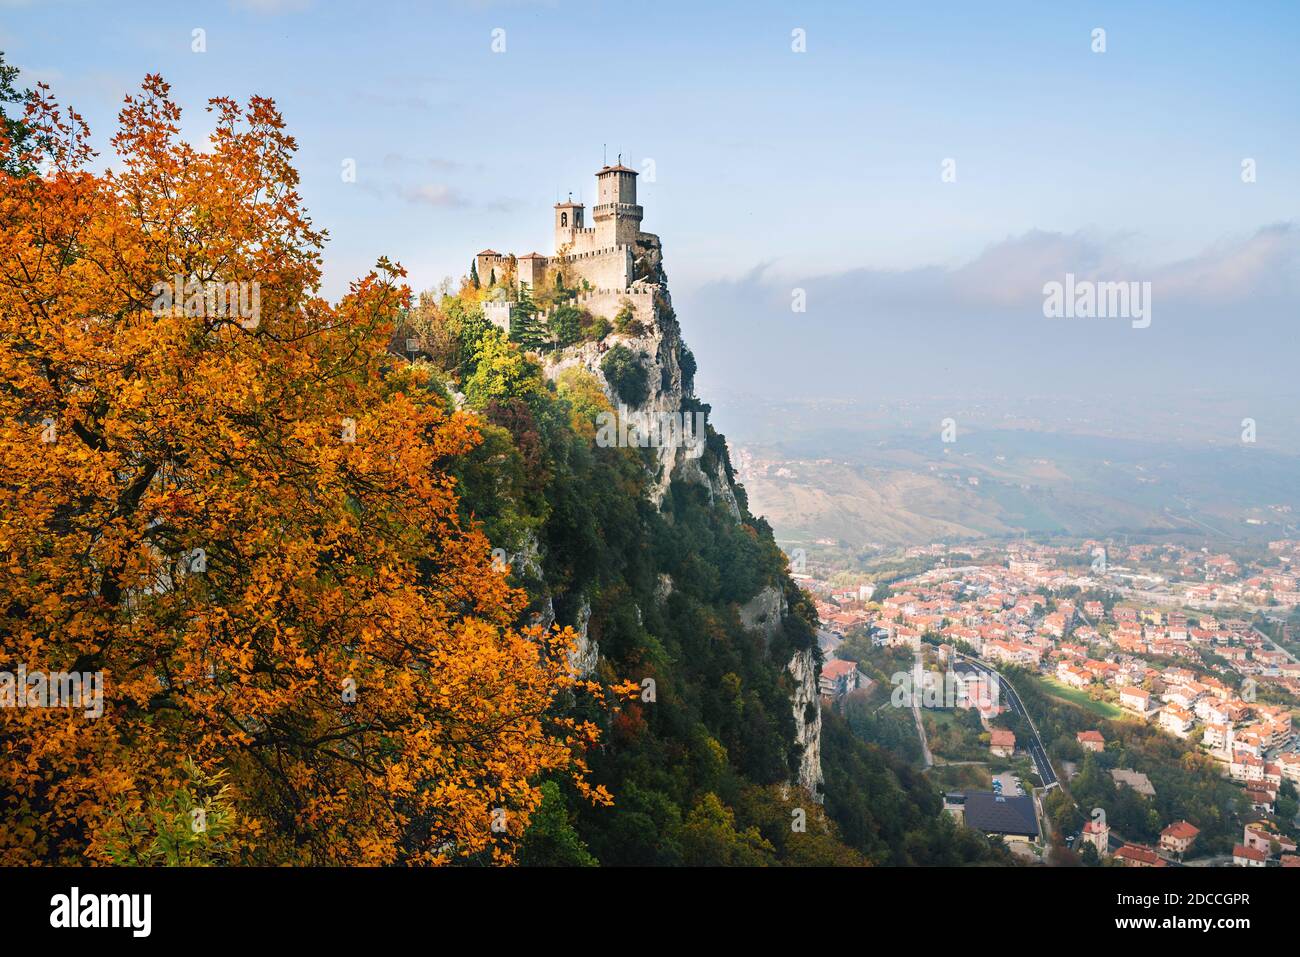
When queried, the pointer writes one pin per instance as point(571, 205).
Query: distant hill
point(905, 489)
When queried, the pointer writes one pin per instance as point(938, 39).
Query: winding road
point(916, 714)
point(1035, 747)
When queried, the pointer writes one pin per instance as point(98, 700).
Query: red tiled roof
point(1143, 855)
point(838, 667)
point(1182, 830)
point(1249, 853)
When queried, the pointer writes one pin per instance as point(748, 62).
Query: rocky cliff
point(669, 368)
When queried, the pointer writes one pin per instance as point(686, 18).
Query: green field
point(960, 777)
point(1104, 709)
point(949, 739)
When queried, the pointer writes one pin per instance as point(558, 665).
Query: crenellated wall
point(607, 268)
point(609, 302)
point(606, 303)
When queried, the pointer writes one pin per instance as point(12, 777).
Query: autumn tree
point(222, 494)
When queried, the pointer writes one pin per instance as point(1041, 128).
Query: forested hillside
point(673, 595)
point(365, 581)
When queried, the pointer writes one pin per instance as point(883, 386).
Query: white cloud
point(433, 194)
point(271, 6)
point(1225, 317)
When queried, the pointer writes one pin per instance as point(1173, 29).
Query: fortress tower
point(568, 222)
point(600, 262)
point(617, 216)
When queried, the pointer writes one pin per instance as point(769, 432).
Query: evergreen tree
point(18, 133)
point(551, 840)
point(524, 326)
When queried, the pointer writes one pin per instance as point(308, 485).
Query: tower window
point(564, 219)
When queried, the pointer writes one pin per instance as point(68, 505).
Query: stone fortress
point(609, 264)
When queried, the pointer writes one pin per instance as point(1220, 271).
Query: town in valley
point(1084, 701)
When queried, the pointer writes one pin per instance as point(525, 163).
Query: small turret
point(568, 219)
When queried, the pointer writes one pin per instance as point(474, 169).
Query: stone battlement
point(588, 254)
point(617, 209)
point(608, 303)
point(632, 292)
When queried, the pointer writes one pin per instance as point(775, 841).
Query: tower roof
point(620, 168)
point(569, 204)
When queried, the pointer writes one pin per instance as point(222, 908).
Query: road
point(1008, 693)
point(1273, 643)
point(916, 714)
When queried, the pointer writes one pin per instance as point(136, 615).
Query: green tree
point(626, 374)
point(503, 372)
point(625, 321)
point(710, 838)
point(525, 328)
point(551, 840)
point(566, 325)
point(12, 128)
point(186, 827)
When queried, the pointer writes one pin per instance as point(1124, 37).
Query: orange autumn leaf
point(238, 511)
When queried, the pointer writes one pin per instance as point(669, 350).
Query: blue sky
point(773, 169)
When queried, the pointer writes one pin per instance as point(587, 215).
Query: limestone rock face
point(671, 393)
point(808, 730)
point(582, 661)
point(763, 613)
point(659, 350)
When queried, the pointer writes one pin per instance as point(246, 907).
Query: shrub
point(625, 322)
point(625, 373)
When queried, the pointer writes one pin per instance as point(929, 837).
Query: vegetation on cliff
point(318, 553)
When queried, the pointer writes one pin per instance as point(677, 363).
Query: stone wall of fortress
point(607, 302)
point(599, 302)
point(582, 241)
point(609, 268)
